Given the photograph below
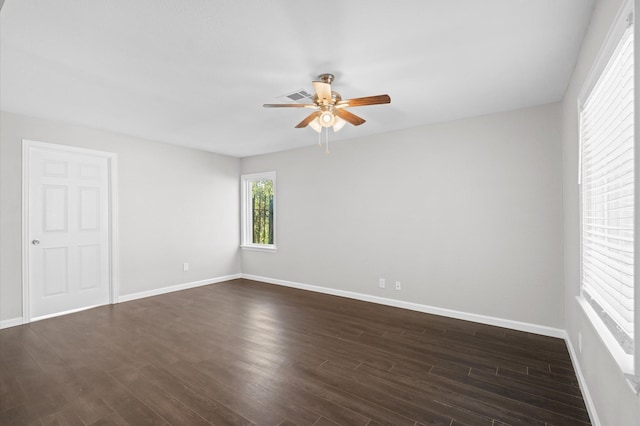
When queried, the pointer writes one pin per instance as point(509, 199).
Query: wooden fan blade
point(289, 106)
point(309, 119)
point(368, 100)
point(348, 116)
point(323, 90)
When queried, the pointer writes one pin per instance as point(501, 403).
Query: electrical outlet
point(185, 267)
point(398, 285)
point(382, 283)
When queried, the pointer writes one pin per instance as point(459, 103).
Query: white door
point(68, 230)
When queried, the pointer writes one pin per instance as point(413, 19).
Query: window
point(608, 291)
point(258, 211)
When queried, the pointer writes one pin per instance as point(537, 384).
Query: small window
point(608, 194)
point(258, 211)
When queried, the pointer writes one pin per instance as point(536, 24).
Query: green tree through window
point(258, 211)
point(262, 211)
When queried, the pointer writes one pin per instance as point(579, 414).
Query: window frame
point(246, 220)
point(628, 363)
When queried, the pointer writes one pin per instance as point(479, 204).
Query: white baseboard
point(591, 408)
point(178, 287)
point(484, 319)
point(11, 322)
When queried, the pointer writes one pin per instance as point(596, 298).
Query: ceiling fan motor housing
point(326, 78)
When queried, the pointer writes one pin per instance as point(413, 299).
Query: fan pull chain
point(320, 138)
point(326, 146)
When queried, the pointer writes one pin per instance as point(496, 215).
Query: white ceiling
point(196, 72)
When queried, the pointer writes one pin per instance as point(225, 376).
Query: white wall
point(613, 399)
point(176, 205)
point(466, 214)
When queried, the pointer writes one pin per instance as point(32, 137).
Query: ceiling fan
point(329, 108)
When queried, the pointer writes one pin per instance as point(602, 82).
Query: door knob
point(35, 242)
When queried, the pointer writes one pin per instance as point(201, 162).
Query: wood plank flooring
point(244, 353)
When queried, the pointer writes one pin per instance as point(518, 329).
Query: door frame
point(114, 243)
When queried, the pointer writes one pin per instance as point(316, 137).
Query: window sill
point(624, 360)
point(269, 249)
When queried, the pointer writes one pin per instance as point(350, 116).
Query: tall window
point(258, 210)
point(608, 193)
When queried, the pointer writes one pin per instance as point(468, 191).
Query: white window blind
point(607, 175)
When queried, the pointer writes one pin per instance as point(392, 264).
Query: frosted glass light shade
point(339, 124)
point(315, 124)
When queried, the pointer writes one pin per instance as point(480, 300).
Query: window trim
point(246, 219)
point(629, 364)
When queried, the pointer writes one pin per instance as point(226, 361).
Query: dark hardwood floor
point(246, 353)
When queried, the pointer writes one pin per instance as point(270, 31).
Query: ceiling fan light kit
point(329, 108)
point(327, 119)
